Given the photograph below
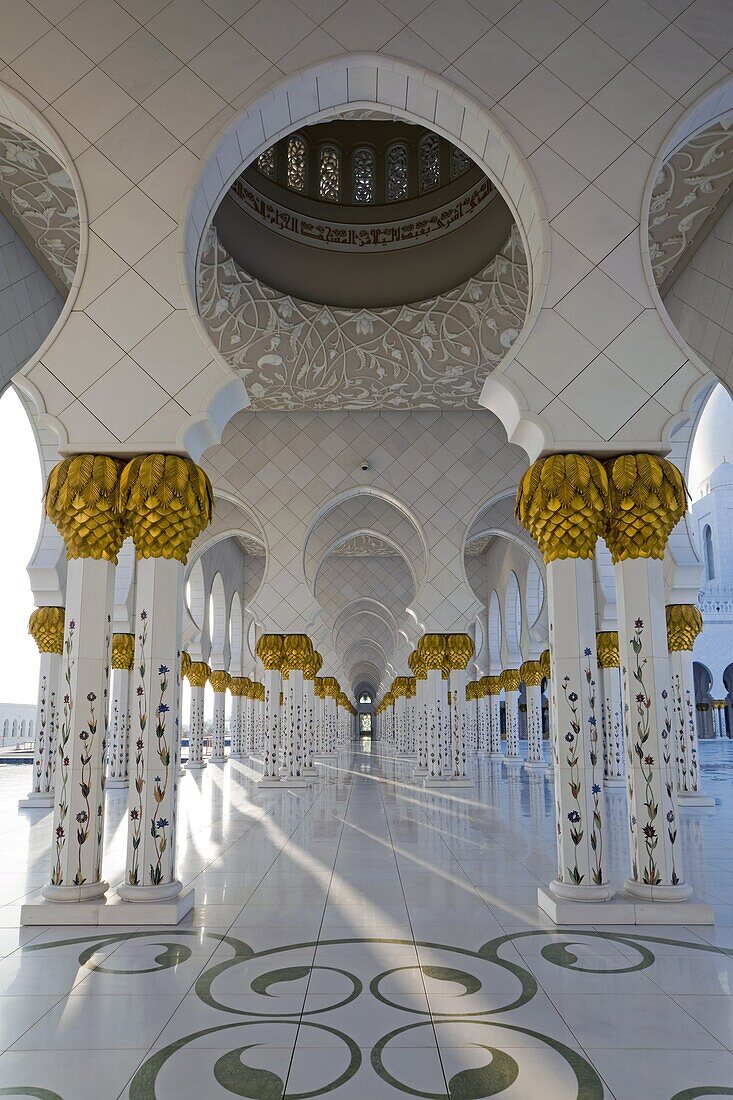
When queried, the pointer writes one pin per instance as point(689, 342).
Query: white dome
point(722, 476)
point(713, 442)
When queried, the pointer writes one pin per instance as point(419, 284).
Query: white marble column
point(684, 623)
point(510, 680)
point(309, 714)
point(46, 626)
point(298, 653)
point(270, 652)
point(494, 690)
point(421, 723)
point(609, 691)
point(220, 681)
point(531, 673)
point(167, 502)
point(123, 660)
point(563, 502)
point(238, 686)
point(82, 497)
point(198, 676)
point(647, 499)
point(459, 651)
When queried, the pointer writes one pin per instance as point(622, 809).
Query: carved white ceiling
point(38, 197)
point(689, 188)
point(295, 355)
point(365, 546)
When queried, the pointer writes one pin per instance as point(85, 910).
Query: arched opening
point(707, 539)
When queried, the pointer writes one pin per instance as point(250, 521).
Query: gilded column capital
point(684, 623)
point(510, 679)
point(330, 686)
point(482, 687)
point(431, 648)
point(240, 686)
point(198, 674)
point(123, 651)
point(46, 627)
point(531, 673)
point(167, 501)
point(471, 690)
point(607, 648)
point(459, 651)
point(562, 501)
point(545, 663)
point(271, 651)
point(258, 691)
point(219, 680)
point(83, 503)
point(416, 665)
point(648, 497)
point(185, 664)
point(313, 665)
point(495, 685)
point(297, 652)
point(401, 687)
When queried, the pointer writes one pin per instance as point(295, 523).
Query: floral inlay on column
point(647, 498)
point(684, 624)
point(167, 502)
point(82, 500)
point(46, 627)
point(563, 502)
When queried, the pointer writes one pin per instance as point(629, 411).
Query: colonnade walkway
point(363, 938)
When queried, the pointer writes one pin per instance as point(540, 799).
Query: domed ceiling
point(363, 264)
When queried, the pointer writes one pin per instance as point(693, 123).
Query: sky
point(21, 490)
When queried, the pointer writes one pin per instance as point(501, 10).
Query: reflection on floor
point(365, 939)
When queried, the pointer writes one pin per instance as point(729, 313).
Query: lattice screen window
point(363, 175)
point(329, 173)
point(459, 162)
point(296, 163)
point(429, 162)
point(397, 173)
point(266, 163)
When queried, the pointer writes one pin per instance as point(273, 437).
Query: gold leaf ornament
point(459, 651)
point(219, 680)
point(198, 674)
point(647, 498)
point(562, 501)
point(167, 501)
point(123, 651)
point(545, 663)
point(531, 674)
point(607, 649)
point(684, 623)
point(297, 652)
point(46, 627)
point(510, 679)
point(271, 651)
point(83, 502)
point(431, 649)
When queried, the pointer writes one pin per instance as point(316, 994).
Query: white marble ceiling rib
point(294, 354)
point(379, 517)
point(589, 90)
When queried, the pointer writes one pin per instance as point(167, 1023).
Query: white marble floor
point(366, 938)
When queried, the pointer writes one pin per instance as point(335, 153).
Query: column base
point(165, 911)
point(615, 782)
point(308, 770)
point(512, 761)
point(658, 893)
point(257, 758)
point(535, 765)
point(270, 781)
point(217, 759)
point(325, 757)
point(36, 800)
point(496, 755)
point(437, 781)
point(623, 909)
point(420, 772)
point(196, 766)
point(116, 783)
point(406, 755)
point(695, 801)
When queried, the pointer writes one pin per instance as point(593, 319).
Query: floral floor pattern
point(368, 939)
